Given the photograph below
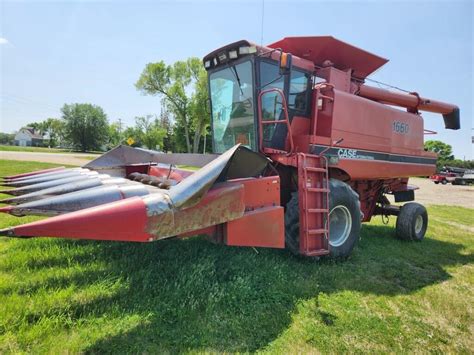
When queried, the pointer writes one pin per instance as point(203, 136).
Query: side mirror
point(285, 63)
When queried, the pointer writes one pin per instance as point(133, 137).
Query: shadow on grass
point(196, 295)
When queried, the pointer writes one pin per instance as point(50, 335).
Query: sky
point(55, 52)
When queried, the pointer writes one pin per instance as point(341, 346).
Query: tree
point(443, 150)
point(86, 126)
point(200, 118)
point(54, 128)
point(183, 85)
point(150, 132)
point(169, 143)
point(115, 134)
point(7, 138)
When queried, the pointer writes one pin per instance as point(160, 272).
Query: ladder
point(313, 196)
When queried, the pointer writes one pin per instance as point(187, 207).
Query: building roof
point(31, 132)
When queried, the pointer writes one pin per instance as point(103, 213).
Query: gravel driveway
point(432, 194)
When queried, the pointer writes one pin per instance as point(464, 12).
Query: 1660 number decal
point(400, 127)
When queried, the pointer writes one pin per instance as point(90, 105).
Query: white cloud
point(3, 41)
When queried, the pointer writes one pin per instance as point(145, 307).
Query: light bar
point(247, 50)
point(244, 50)
point(222, 57)
point(233, 54)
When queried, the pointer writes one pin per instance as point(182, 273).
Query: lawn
point(191, 296)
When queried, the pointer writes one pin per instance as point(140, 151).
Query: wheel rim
point(418, 224)
point(340, 225)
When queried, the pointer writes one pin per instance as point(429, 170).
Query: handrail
point(261, 122)
point(318, 95)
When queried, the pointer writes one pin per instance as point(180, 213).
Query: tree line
point(445, 155)
point(181, 126)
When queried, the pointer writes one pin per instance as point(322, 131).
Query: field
point(190, 295)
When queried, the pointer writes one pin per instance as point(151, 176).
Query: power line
point(263, 17)
point(387, 85)
point(24, 100)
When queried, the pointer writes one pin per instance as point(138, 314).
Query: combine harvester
point(304, 151)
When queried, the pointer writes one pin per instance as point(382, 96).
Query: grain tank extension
point(304, 151)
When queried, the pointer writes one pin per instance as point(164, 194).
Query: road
point(57, 158)
point(428, 194)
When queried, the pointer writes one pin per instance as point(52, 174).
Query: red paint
point(176, 174)
point(6, 209)
point(37, 172)
point(411, 101)
point(121, 221)
point(285, 121)
point(344, 56)
point(260, 228)
point(261, 192)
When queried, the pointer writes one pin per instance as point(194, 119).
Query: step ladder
point(313, 196)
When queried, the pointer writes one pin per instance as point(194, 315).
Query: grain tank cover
point(321, 48)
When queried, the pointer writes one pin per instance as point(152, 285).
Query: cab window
point(298, 93)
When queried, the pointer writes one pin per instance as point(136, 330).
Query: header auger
point(304, 151)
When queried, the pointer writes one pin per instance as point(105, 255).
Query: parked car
point(443, 177)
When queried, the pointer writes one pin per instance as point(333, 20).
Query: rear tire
point(345, 221)
point(444, 182)
point(412, 222)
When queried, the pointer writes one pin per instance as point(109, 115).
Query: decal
point(344, 153)
point(400, 127)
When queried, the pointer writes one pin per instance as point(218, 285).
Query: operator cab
point(245, 81)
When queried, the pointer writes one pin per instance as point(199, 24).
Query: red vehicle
point(443, 177)
point(304, 151)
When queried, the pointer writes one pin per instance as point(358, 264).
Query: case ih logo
point(352, 154)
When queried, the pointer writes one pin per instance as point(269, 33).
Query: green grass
point(14, 148)
point(66, 296)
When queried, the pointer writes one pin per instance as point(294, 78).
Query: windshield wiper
point(236, 77)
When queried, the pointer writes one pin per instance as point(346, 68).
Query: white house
point(28, 137)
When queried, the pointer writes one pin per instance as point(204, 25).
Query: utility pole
point(120, 126)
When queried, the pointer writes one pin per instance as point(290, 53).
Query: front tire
point(345, 220)
point(412, 222)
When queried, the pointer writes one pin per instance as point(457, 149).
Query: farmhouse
point(27, 136)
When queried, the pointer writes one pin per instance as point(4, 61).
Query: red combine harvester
point(304, 151)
